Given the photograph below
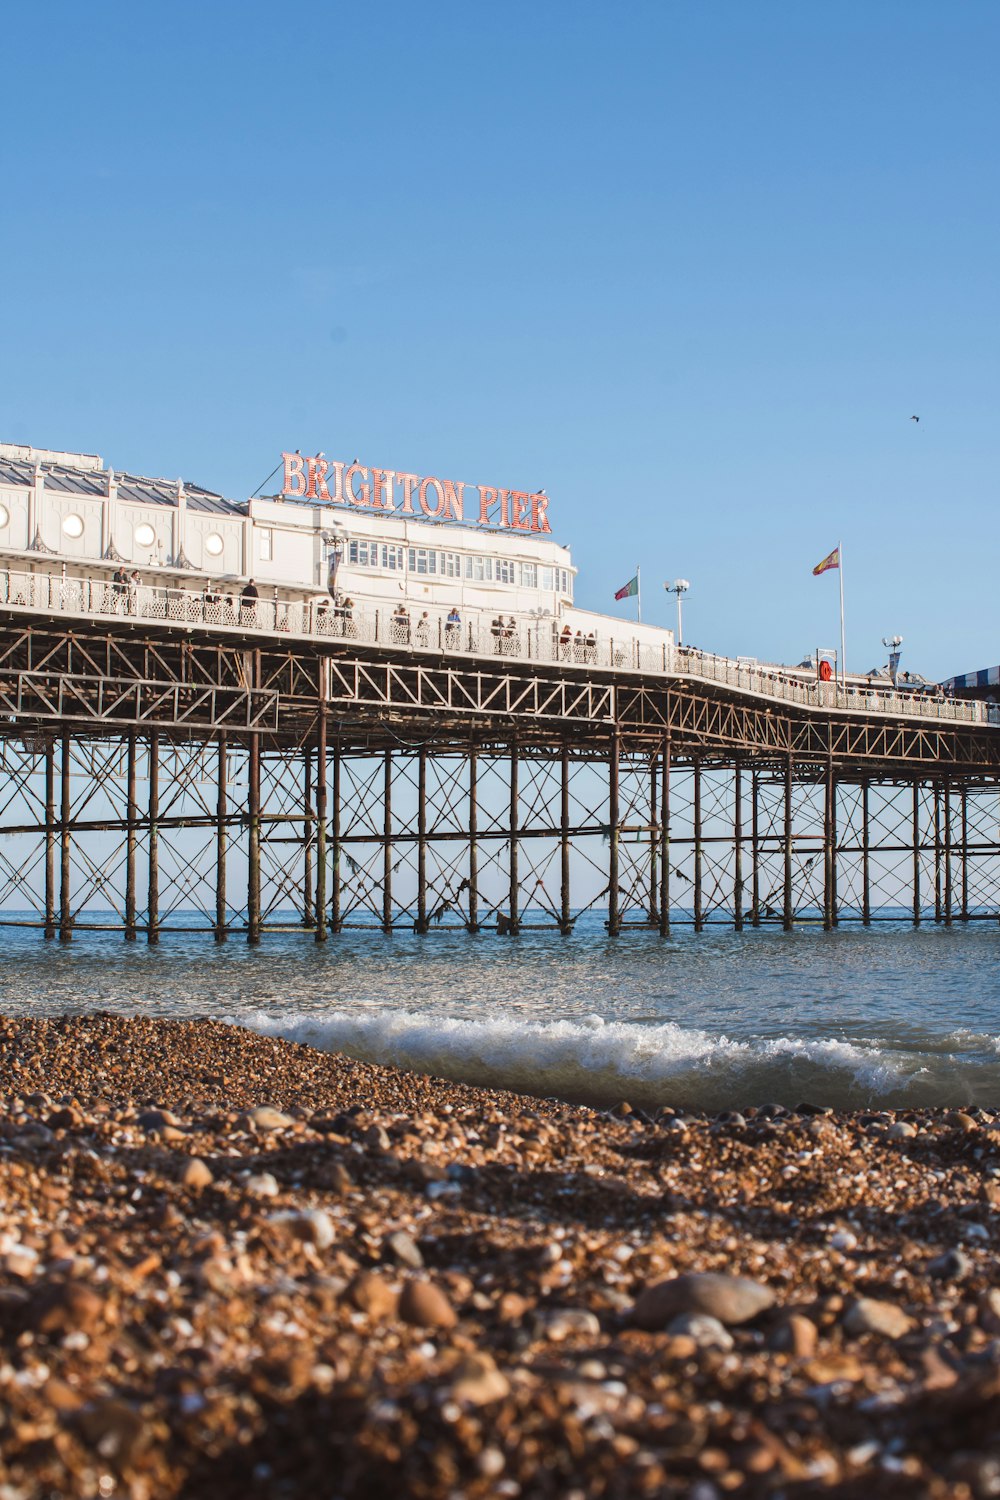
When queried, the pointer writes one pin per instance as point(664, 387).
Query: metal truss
point(153, 780)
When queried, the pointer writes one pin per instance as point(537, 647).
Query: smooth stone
point(425, 1305)
point(731, 1299)
point(157, 1119)
point(262, 1185)
point(266, 1118)
point(843, 1239)
point(868, 1315)
point(335, 1176)
point(989, 1310)
point(953, 1265)
point(372, 1294)
point(196, 1175)
point(66, 1306)
point(959, 1120)
point(796, 1335)
point(313, 1226)
point(901, 1130)
point(477, 1381)
point(569, 1322)
point(404, 1250)
point(707, 1332)
point(376, 1138)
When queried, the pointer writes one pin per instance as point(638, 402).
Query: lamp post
point(679, 586)
point(893, 642)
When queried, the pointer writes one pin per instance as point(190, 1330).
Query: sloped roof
point(136, 488)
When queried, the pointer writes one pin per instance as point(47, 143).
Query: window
point(145, 535)
point(392, 558)
point(505, 571)
point(451, 565)
point(546, 578)
point(422, 560)
point(73, 526)
point(529, 575)
point(214, 544)
point(266, 544)
point(564, 582)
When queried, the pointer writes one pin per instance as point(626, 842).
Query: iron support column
point(221, 839)
point(948, 884)
point(50, 837)
point(738, 847)
point(65, 869)
point(153, 886)
point(755, 847)
point(614, 767)
point(699, 922)
point(336, 921)
point(514, 925)
point(866, 849)
point(321, 816)
point(665, 839)
point(938, 906)
point(565, 913)
point(916, 854)
point(253, 873)
point(131, 839)
point(308, 836)
point(964, 803)
point(421, 922)
point(387, 844)
point(830, 850)
point(652, 841)
point(788, 914)
point(473, 922)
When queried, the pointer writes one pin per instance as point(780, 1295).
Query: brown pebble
point(372, 1294)
point(795, 1335)
point(65, 1306)
point(477, 1381)
point(425, 1305)
point(731, 1299)
point(196, 1175)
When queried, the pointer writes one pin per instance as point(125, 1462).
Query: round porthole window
point(4, 516)
point(214, 544)
point(145, 535)
point(72, 526)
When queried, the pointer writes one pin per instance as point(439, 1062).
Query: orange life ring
point(825, 671)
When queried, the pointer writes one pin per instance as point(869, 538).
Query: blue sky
point(689, 266)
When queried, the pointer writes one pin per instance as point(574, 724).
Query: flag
point(833, 561)
point(630, 589)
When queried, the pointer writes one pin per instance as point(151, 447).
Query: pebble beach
point(236, 1266)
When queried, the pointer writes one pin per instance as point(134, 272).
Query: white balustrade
point(526, 638)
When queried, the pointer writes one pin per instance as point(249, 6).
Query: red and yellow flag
point(833, 561)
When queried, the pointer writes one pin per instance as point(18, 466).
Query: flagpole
point(843, 647)
point(638, 596)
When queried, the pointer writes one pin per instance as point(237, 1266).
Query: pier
point(172, 761)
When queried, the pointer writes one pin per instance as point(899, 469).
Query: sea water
point(886, 1015)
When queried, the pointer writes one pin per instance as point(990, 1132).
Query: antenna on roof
point(268, 479)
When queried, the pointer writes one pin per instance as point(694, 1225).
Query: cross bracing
point(161, 780)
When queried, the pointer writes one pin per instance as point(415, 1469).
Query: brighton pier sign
point(410, 495)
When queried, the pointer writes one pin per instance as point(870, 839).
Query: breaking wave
point(599, 1062)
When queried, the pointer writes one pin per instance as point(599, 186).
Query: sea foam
point(595, 1061)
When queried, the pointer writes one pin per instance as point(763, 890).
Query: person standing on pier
point(248, 601)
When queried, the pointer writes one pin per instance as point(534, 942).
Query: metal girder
point(459, 690)
point(56, 698)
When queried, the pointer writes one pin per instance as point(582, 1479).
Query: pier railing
point(527, 638)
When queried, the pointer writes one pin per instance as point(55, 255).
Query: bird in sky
point(914, 419)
